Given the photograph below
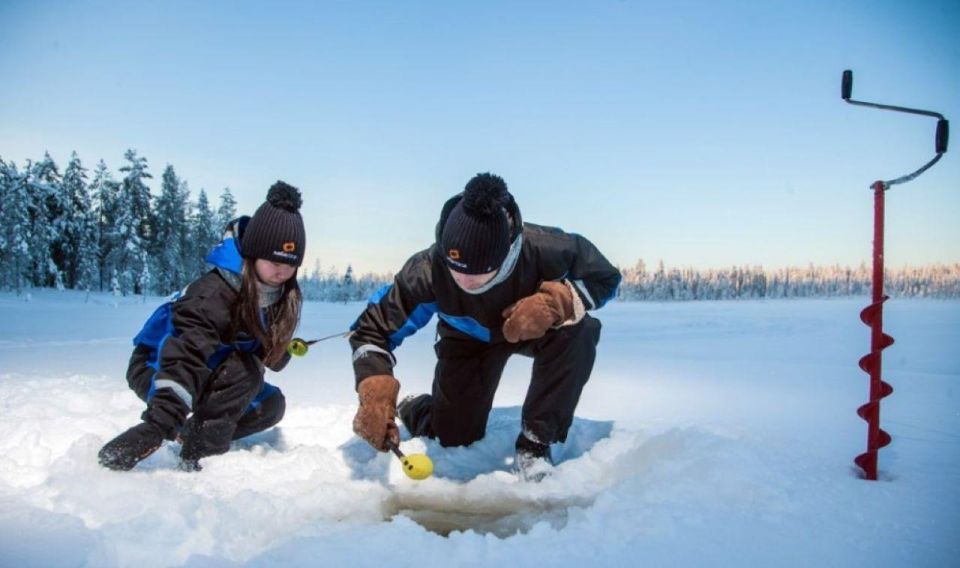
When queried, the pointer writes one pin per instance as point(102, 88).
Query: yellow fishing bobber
point(417, 466)
point(297, 347)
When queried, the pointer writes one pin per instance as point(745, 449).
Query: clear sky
point(702, 133)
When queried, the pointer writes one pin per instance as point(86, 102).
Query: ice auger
point(872, 315)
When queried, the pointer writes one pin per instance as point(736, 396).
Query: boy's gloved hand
point(531, 317)
point(378, 406)
point(131, 447)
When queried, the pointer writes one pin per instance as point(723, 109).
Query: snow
point(717, 433)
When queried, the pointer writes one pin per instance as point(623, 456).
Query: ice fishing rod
point(298, 347)
point(416, 466)
point(872, 315)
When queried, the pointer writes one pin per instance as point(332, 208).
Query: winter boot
point(414, 412)
point(189, 465)
point(131, 447)
point(533, 461)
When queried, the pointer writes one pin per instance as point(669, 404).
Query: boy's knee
point(458, 428)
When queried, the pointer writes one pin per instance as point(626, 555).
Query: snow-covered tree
point(169, 231)
point(146, 278)
point(74, 221)
point(228, 209)
point(46, 210)
point(126, 256)
point(16, 229)
point(134, 222)
point(88, 257)
point(203, 233)
point(105, 193)
point(135, 194)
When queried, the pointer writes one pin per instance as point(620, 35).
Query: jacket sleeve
point(184, 352)
point(586, 269)
point(393, 313)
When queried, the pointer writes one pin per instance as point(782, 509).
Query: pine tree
point(75, 219)
point(60, 217)
point(88, 258)
point(136, 194)
point(126, 255)
point(348, 288)
point(16, 230)
point(136, 236)
point(170, 222)
point(203, 232)
point(145, 278)
point(46, 208)
point(187, 254)
point(227, 211)
point(105, 193)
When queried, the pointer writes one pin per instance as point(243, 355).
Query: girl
point(204, 350)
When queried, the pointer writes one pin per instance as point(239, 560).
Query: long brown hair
point(276, 330)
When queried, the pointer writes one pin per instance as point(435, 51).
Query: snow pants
point(235, 402)
point(468, 373)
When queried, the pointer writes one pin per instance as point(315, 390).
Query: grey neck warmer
point(269, 295)
point(505, 270)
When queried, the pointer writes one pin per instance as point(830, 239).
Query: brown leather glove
point(531, 317)
point(378, 406)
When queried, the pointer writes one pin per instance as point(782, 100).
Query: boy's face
point(471, 281)
point(273, 273)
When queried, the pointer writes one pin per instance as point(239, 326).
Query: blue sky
point(701, 133)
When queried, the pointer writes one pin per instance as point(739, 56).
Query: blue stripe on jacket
point(419, 317)
point(467, 325)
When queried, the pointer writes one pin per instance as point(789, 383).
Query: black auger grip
point(943, 135)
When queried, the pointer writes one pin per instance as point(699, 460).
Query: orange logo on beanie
point(289, 247)
point(454, 254)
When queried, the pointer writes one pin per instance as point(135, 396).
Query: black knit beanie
point(476, 235)
point(275, 232)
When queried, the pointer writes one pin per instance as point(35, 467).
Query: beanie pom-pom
point(285, 196)
point(485, 195)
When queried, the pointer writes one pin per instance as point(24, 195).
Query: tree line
point(734, 283)
point(103, 232)
point(107, 232)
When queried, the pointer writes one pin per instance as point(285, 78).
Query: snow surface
point(716, 433)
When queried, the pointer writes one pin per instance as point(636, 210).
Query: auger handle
point(943, 135)
point(940, 140)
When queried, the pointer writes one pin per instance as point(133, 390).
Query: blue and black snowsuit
point(201, 380)
point(471, 349)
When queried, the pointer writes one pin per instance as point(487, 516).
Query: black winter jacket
point(189, 335)
point(424, 287)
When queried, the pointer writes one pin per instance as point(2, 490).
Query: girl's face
point(273, 273)
point(471, 281)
